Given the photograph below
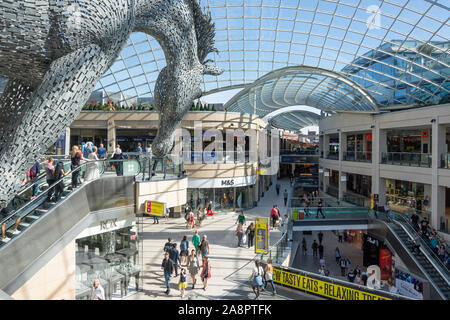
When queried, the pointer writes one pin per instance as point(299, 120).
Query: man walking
point(285, 196)
point(274, 215)
point(319, 209)
point(314, 248)
point(204, 247)
point(320, 237)
point(167, 266)
point(174, 255)
point(278, 186)
point(320, 247)
point(196, 241)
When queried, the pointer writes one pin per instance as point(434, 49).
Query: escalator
point(399, 233)
point(37, 229)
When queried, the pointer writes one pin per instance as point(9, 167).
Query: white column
point(326, 145)
point(379, 145)
point(437, 192)
point(342, 184)
point(67, 146)
point(111, 136)
point(342, 148)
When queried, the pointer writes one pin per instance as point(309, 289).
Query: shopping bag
point(244, 239)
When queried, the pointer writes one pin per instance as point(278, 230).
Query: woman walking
point(240, 234)
point(184, 247)
point(337, 255)
point(206, 271)
point(269, 276)
point(193, 267)
point(256, 278)
point(250, 234)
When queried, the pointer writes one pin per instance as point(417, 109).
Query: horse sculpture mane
point(53, 63)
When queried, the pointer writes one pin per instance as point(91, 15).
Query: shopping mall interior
point(326, 123)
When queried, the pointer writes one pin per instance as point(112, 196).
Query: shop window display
point(112, 257)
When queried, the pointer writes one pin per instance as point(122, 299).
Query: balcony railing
point(407, 159)
point(333, 155)
point(359, 156)
point(299, 152)
point(445, 161)
point(192, 157)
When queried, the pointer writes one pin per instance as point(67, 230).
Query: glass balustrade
point(445, 161)
point(217, 157)
point(333, 155)
point(358, 156)
point(406, 159)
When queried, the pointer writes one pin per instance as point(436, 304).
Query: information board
point(154, 208)
point(262, 235)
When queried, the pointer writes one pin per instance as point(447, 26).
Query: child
point(182, 284)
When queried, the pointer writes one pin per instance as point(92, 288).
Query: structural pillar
point(438, 133)
point(342, 175)
point(326, 145)
point(111, 136)
point(379, 145)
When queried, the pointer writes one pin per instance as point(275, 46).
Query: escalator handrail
point(44, 192)
point(432, 258)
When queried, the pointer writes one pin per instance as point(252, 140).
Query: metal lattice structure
point(396, 50)
point(54, 52)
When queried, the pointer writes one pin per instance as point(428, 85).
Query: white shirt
point(255, 271)
point(98, 293)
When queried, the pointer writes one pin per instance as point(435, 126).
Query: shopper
point(347, 265)
point(268, 274)
point(314, 247)
point(285, 224)
point(35, 171)
point(342, 264)
point(415, 243)
point(239, 234)
point(415, 221)
point(364, 277)
point(285, 197)
point(250, 234)
point(351, 276)
point(204, 246)
point(320, 247)
point(97, 293)
point(184, 249)
point(174, 255)
point(274, 216)
point(206, 271)
point(182, 284)
point(387, 210)
point(167, 265)
point(319, 209)
point(59, 174)
point(209, 210)
point(340, 236)
point(92, 171)
point(256, 278)
point(50, 176)
point(304, 248)
point(424, 226)
point(337, 255)
point(168, 245)
point(320, 237)
point(196, 242)
point(118, 164)
point(277, 187)
point(241, 218)
point(193, 267)
point(102, 153)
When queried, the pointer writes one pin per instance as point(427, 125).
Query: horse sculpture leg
point(52, 107)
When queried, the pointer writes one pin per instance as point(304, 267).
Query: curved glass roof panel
point(295, 120)
point(397, 50)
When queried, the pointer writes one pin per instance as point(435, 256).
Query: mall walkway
point(225, 257)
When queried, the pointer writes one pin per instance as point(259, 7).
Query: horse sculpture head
point(186, 35)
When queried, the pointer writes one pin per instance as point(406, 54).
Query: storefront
point(128, 139)
point(97, 136)
point(111, 251)
point(359, 184)
point(375, 252)
point(227, 194)
point(415, 141)
point(405, 195)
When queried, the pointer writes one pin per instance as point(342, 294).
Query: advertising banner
point(262, 235)
point(154, 208)
point(320, 287)
point(407, 285)
point(385, 263)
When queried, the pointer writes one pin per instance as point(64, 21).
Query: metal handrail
point(39, 198)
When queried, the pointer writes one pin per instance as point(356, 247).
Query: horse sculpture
point(53, 53)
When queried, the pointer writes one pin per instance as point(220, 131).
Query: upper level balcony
point(359, 156)
point(407, 159)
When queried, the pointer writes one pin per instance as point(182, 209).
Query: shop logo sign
point(227, 182)
point(108, 224)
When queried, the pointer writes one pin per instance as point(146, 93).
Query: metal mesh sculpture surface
point(53, 53)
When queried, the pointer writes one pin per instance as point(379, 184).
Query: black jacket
point(167, 265)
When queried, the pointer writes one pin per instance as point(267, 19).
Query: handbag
point(244, 238)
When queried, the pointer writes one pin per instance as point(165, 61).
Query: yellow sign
point(294, 214)
point(262, 235)
point(321, 288)
point(154, 208)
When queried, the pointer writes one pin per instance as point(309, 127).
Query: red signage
point(424, 134)
point(385, 264)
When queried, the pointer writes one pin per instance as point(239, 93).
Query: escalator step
point(32, 217)
point(40, 211)
point(5, 240)
point(12, 233)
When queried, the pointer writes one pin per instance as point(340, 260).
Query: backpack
point(167, 246)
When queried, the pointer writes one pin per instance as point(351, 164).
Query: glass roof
point(397, 51)
point(295, 120)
